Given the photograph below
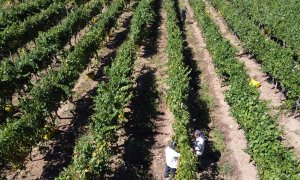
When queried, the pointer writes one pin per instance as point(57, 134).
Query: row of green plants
point(14, 75)
point(275, 60)
point(16, 35)
point(274, 17)
point(20, 12)
point(177, 94)
point(22, 133)
point(274, 161)
point(93, 152)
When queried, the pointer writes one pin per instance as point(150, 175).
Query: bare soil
point(234, 136)
point(149, 127)
point(198, 107)
point(289, 124)
point(165, 119)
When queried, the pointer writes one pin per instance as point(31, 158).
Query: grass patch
point(218, 139)
point(206, 96)
point(225, 169)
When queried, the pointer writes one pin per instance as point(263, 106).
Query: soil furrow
point(163, 123)
point(149, 128)
point(234, 136)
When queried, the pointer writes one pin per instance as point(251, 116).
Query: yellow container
point(254, 83)
point(8, 108)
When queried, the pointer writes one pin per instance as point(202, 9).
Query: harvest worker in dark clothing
point(172, 160)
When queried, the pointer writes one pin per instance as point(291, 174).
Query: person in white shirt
point(199, 143)
point(172, 160)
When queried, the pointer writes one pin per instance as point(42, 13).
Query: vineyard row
point(14, 75)
point(275, 60)
point(274, 161)
point(21, 134)
point(177, 94)
point(93, 152)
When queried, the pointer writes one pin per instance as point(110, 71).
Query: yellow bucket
point(254, 83)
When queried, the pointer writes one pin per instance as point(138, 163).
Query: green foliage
point(20, 12)
point(16, 35)
point(219, 140)
point(6, 4)
point(91, 159)
point(14, 75)
point(275, 60)
point(177, 95)
point(17, 138)
point(273, 159)
point(274, 16)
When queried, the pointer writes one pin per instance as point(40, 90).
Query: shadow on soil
point(140, 129)
point(199, 110)
point(60, 155)
point(150, 42)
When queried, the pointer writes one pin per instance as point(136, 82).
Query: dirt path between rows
point(163, 123)
point(234, 136)
point(74, 116)
point(290, 125)
point(149, 126)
